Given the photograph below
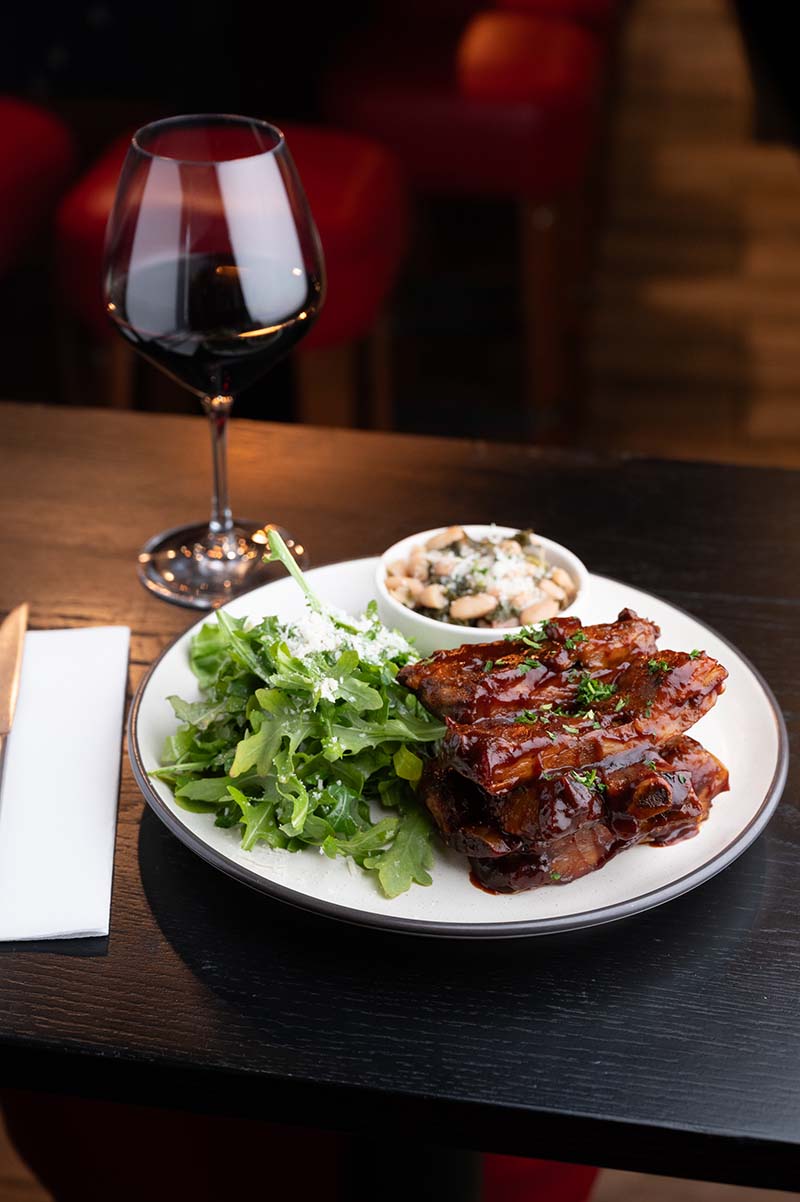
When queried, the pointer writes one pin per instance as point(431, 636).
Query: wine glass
point(213, 270)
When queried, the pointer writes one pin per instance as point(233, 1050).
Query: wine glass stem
point(218, 410)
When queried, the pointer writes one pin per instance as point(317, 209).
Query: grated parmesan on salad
point(334, 630)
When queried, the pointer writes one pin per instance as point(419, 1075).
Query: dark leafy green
point(304, 738)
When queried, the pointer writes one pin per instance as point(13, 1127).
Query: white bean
point(432, 597)
point(539, 611)
point(564, 579)
point(522, 601)
point(444, 538)
point(418, 564)
point(465, 609)
point(405, 589)
point(511, 547)
point(444, 566)
point(398, 568)
point(553, 590)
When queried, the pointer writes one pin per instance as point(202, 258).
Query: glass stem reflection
point(218, 409)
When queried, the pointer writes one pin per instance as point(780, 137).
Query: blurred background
point(572, 221)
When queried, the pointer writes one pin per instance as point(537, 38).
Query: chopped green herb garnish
point(658, 665)
point(591, 691)
point(574, 639)
point(532, 636)
point(694, 654)
point(648, 709)
point(544, 715)
point(682, 778)
point(487, 667)
point(572, 730)
point(528, 665)
point(651, 764)
point(623, 701)
point(555, 876)
point(589, 779)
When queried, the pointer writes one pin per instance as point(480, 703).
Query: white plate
point(745, 729)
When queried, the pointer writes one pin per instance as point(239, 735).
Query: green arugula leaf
point(176, 746)
point(350, 687)
point(197, 807)
point(279, 551)
point(258, 819)
point(241, 643)
point(200, 714)
point(362, 733)
point(363, 842)
point(211, 789)
point(341, 807)
point(207, 654)
point(407, 765)
point(292, 790)
point(409, 857)
point(396, 793)
point(271, 724)
point(302, 750)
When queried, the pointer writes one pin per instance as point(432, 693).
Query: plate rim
point(435, 928)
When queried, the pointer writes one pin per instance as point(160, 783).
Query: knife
point(12, 639)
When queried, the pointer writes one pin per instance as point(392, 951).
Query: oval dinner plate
point(745, 718)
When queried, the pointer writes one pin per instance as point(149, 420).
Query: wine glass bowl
point(213, 271)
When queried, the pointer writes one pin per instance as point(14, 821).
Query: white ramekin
point(428, 634)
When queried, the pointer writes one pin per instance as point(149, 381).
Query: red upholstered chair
point(36, 161)
point(88, 1139)
point(514, 1179)
point(508, 106)
point(358, 197)
point(597, 14)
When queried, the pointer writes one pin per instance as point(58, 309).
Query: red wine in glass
point(213, 272)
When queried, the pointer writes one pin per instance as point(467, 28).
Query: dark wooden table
point(668, 1043)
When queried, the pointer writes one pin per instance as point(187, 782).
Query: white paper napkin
point(58, 803)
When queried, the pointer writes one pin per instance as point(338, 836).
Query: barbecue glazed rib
point(456, 684)
point(653, 700)
point(679, 782)
point(638, 813)
point(566, 748)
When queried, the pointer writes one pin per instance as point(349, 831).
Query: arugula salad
point(304, 739)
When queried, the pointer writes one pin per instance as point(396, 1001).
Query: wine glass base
point(187, 567)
